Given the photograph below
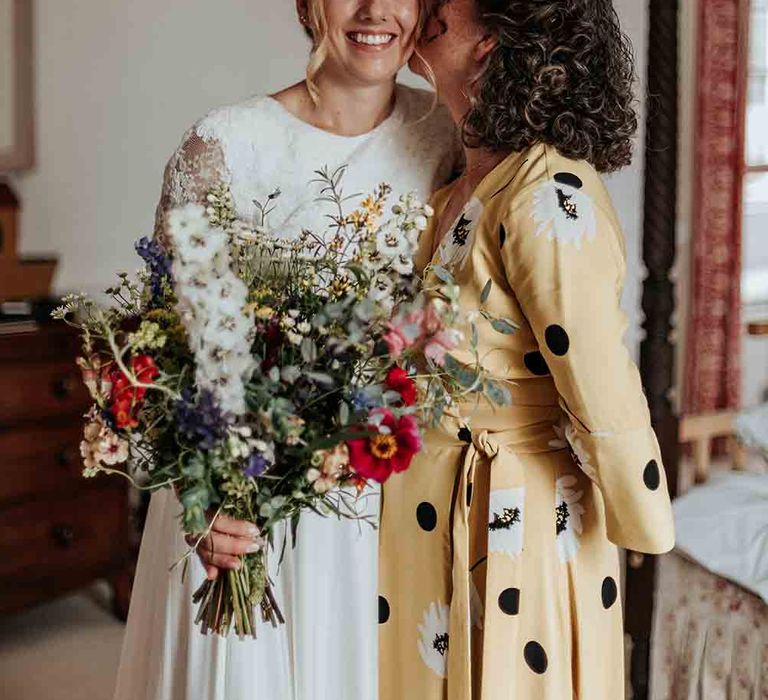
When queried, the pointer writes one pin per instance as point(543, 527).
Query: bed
point(710, 618)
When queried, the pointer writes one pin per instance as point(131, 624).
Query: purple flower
point(257, 465)
point(200, 419)
point(159, 263)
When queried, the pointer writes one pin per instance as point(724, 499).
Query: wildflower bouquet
point(263, 377)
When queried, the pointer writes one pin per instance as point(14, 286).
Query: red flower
point(126, 398)
point(124, 414)
point(399, 381)
point(390, 449)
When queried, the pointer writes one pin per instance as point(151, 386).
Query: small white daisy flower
point(506, 510)
point(457, 243)
point(564, 213)
point(403, 264)
point(568, 513)
point(391, 243)
point(433, 639)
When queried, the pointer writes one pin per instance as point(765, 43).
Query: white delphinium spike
point(211, 303)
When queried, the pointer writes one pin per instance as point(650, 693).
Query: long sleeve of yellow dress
point(564, 259)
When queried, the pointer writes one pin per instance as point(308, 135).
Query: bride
point(349, 111)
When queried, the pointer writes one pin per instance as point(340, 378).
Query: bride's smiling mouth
point(375, 41)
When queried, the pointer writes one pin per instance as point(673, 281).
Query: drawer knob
point(64, 387)
point(64, 535)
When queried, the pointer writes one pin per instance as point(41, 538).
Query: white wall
point(119, 82)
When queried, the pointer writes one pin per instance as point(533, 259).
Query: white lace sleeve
point(197, 166)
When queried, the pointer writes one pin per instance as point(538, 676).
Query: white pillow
point(723, 525)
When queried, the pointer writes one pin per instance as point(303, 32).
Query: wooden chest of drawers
point(58, 531)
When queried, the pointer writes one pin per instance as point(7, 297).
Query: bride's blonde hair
point(316, 26)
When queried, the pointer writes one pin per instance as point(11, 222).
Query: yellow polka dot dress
point(499, 575)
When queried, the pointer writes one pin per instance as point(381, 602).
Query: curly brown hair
point(562, 74)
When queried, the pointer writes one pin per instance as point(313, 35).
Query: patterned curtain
point(712, 372)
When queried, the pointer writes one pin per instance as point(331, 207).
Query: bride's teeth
point(372, 39)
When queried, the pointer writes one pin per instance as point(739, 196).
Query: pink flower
point(396, 341)
point(389, 450)
point(441, 343)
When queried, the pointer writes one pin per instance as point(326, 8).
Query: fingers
point(217, 543)
point(234, 528)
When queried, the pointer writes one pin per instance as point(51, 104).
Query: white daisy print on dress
point(568, 512)
point(566, 438)
point(433, 639)
point(563, 212)
point(457, 243)
point(505, 521)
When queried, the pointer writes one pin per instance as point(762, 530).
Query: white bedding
point(723, 526)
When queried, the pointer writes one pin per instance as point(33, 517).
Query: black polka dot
point(536, 364)
point(569, 179)
point(652, 476)
point(502, 235)
point(469, 495)
point(536, 657)
point(465, 434)
point(609, 593)
point(509, 601)
point(383, 610)
point(427, 516)
point(557, 340)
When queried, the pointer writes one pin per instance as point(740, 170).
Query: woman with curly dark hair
point(499, 565)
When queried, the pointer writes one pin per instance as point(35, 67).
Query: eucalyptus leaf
point(321, 378)
point(442, 274)
point(502, 325)
point(344, 413)
point(475, 337)
point(498, 393)
point(486, 291)
point(308, 350)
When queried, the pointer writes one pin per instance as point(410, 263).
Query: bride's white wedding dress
point(327, 585)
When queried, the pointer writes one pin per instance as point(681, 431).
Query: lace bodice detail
point(257, 146)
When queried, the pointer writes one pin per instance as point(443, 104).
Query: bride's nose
point(375, 10)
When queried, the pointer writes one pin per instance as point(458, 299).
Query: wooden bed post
point(657, 353)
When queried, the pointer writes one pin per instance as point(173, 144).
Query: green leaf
point(475, 338)
point(344, 413)
point(502, 325)
point(442, 274)
point(486, 291)
point(308, 350)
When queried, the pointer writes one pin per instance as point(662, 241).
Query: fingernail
point(237, 565)
point(253, 531)
point(253, 547)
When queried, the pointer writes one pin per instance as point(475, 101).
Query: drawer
point(61, 536)
point(53, 341)
point(35, 390)
point(37, 459)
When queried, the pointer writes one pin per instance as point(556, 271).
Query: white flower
point(566, 438)
point(433, 639)
point(421, 222)
point(403, 264)
point(457, 243)
point(304, 328)
point(568, 512)
point(294, 338)
point(381, 288)
point(391, 242)
point(564, 213)
point(506, 511)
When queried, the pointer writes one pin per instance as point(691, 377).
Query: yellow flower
point(372, 206)
point(265, 312)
